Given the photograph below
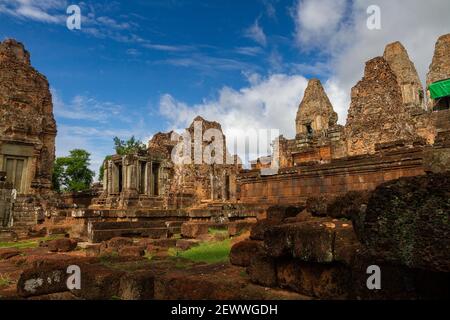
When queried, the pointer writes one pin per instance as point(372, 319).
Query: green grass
point(26, 244)
point(108, 258)
point(214, 231)
point(209, 252)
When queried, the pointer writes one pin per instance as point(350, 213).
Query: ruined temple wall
point(296, 185)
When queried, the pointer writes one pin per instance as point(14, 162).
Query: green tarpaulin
point(440, 89)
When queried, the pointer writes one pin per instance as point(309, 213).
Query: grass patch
point(209, 252)
point(108, 259)
point(215, 231)
point(27, 244)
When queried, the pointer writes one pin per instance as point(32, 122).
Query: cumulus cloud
point(317, 21)
point(338, 29)
point(87, 123)
point(266, 103)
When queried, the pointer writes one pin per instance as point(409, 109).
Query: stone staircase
point(155, 229)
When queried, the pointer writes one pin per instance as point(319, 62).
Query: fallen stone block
point(279, 213)
point(194, 229)
point(407, 222)
point(62, 245)
point(118, 243)
point(132, 251)
point(137, 286)
point(237, 227)
point(312, 241)
point(262, 271)
point(260, 227)
point(164, 243)
point(93, 250)
point(242, 252)
point(98, 283)
point(58, 230)
point(186, 244)
point(323, 281)
point(6, 254)
point(43, 280)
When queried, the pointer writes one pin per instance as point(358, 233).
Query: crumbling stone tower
point(377, 113)
point(407, 77)
point(27, 137)
point(440, 72)
point(27, 127)
point(315, 114)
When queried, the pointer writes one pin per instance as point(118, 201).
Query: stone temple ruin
point(27, 136)
point(342, 198)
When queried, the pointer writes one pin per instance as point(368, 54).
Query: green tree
point(122, 148)
point(101, 171)
point(72, 173)
point(130, 146)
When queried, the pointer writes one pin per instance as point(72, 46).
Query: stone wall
point(296, 185)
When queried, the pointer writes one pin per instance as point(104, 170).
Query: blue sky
point(138, 67)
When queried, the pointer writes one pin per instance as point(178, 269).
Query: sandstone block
point(62, 245)
point(242, 252)
point(137, 286)
point(132, 251)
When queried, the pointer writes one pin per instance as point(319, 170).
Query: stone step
point(126, 225)
point(104, 235)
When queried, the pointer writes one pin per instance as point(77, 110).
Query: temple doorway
point(15, 172)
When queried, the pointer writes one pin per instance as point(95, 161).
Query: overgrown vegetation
point(122, 147)
point(27, 244)
point(209, 252)
point(215, 231)
point(72, 173)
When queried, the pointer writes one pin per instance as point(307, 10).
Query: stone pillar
point(212, 185)
point(148, 178)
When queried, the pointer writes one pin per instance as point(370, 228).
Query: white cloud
point(48, 11)
point(249, 51)
point(97, 123)
point(267, 103)
point(86, 108)
point(256, 33)
point(318, 20)
point(338, 29)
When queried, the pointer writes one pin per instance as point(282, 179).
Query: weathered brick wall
point(295, 185)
